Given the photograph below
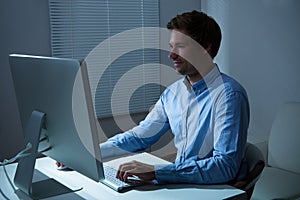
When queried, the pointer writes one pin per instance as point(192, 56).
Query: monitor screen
point(59, 88)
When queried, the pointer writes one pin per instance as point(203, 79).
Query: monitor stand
point(25, 169)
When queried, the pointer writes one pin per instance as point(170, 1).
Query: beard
point(183, 67)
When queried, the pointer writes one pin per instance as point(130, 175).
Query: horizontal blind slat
point(78, 26)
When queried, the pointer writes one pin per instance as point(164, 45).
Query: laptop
point(111, 167)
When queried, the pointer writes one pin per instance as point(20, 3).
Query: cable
point(9, 180)
point(23, 153)
point(2, 193)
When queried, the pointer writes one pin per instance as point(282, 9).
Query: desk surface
point(94, 190)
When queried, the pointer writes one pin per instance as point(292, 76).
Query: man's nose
point(173, 55)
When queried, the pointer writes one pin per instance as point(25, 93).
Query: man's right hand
point(61, 166)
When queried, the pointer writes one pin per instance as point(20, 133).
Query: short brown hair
point(200, 27)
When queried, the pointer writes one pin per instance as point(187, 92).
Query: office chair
point(281, 177)
point(255, 165)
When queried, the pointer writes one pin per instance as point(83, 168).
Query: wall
point(260, 48)
point(25, 29)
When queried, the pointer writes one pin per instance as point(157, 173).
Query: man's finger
point(122, 169)
point(127, 174)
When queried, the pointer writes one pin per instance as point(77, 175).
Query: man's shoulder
point(230, 84)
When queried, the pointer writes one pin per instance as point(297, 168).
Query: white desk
point(93, 190)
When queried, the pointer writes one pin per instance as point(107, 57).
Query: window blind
point(78, 26)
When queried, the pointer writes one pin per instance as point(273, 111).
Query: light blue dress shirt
point(209, 121)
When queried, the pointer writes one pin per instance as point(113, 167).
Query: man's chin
point(179, 72)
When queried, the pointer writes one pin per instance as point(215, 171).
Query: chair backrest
point(284, 139)
point(253, 156)
point(255, 165)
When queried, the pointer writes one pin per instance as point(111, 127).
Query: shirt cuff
point(164, 173)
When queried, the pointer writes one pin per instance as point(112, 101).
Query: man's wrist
point(163, 172)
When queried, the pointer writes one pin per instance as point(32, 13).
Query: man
point(207, 111)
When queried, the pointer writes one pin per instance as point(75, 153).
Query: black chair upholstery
point(255, 165)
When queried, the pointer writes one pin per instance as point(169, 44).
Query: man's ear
point(208, 48)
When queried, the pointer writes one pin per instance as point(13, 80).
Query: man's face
point(181, 49)
point(189, 57)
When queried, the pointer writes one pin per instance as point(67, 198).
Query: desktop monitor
point(57, 116)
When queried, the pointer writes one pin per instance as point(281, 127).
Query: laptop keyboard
point(110, 175)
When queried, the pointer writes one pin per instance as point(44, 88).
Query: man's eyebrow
point(177, 43)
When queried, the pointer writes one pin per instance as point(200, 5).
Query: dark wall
point(24, 29)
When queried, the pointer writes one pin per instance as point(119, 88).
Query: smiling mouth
point(177, 63)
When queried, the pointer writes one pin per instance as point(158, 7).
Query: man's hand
point(62, 167)
point(134, 168)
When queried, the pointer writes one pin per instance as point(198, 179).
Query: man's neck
point(194, 78)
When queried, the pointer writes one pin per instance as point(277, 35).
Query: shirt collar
point(202, 84)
